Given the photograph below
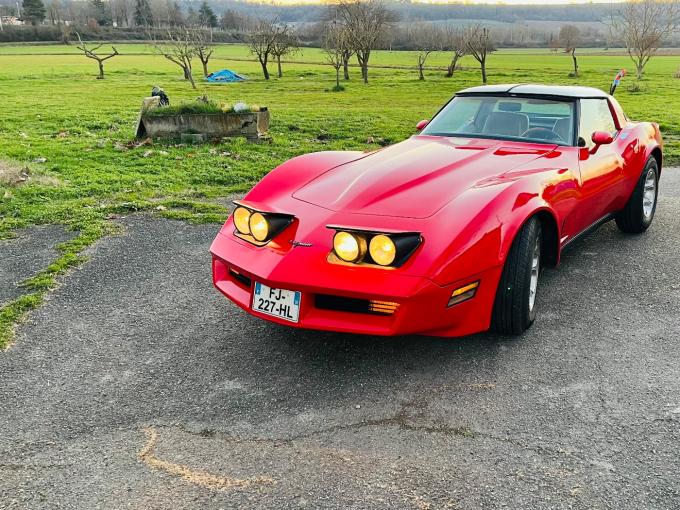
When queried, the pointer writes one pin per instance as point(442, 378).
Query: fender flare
point(655, 151)
point(550, 228)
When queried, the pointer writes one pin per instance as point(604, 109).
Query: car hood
point(417, 177)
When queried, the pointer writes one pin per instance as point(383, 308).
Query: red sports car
point(444, 233)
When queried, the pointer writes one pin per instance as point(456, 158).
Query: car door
point(601, 170)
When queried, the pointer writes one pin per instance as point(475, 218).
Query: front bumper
point(422, 303)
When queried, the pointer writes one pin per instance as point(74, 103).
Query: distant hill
point(410, 11)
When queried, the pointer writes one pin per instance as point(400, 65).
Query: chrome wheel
point(535, 268)
point(649, 194)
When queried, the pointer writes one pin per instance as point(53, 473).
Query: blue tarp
point(225, 75)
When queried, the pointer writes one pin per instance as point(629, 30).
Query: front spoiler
point(422, 303)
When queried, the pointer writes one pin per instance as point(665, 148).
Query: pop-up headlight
point(258, 227)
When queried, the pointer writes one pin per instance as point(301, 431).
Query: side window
point(595, 116)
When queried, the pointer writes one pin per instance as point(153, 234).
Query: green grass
point(184, 108)
point(199, 106)
point(54, 108)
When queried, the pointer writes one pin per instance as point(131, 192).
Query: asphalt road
point(138, 386)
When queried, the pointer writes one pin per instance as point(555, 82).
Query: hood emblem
point(300, 243)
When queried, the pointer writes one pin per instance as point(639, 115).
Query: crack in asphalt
point(17, 467)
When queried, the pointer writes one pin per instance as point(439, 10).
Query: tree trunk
point(573, 56)
point(420, 71)
point(265, 71)
point(278, 63)
point(362, 58)
point(345, 66)
point(337, 77)
point(639, 68)
point(365, 65)
point(101, 70)
point(483, 64)
point(452, 66)
point(188, 75)
point(205, 67)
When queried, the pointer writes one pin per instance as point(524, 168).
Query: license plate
point(284, 304)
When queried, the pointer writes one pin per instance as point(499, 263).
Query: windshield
point(511, 118)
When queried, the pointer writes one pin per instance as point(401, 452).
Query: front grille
point(354, 305)
point(241, 278)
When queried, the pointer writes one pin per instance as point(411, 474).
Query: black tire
point(635, 218)
point(514, 311)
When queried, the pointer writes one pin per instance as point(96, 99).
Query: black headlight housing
point(404, 243)
point(257, 226)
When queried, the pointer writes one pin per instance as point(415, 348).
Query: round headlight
point(382, 250)
point(259, 228)
point(241, 220)
point(349, 247)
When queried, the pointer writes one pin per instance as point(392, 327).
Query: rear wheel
point(515, 306)
point(638, 214)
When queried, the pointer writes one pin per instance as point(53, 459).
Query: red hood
point(417, 177)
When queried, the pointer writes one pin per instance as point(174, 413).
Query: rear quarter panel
point(636, 142)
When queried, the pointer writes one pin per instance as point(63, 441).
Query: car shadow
point(326, 359)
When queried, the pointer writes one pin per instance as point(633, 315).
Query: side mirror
point(600, 138)
point(421, 125)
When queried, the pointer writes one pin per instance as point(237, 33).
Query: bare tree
point(569, 37)
point(91, 53)
point(180, 49)
point(479, 45)
point(366, 22)
point(455, 40)
point(334, 43)
point(54, 13)
point(333, 20)
point(262, 39)
point(426, 38)
point(285, 44)
point(643, 25)
point(204, 47)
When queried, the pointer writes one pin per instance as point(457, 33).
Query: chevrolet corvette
point(445, 233)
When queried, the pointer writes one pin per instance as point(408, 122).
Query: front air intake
point(355, 305)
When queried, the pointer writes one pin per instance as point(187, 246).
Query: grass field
point(72, 132)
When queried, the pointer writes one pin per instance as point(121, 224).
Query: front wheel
point(638, 214)
point(515, 306)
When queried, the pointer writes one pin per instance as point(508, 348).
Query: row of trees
point(642, 26)
point(127, 13)
point(354, 28)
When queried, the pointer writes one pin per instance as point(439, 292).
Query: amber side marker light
point(463, 293)
point(386, 307)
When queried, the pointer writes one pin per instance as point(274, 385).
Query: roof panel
point(537, 89)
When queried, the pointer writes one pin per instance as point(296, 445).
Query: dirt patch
point(197, 477)
point(12, 174)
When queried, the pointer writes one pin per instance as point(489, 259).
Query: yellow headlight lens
point(349, 247)
point(259, 228)
point(241, 220)
point(382, 250)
